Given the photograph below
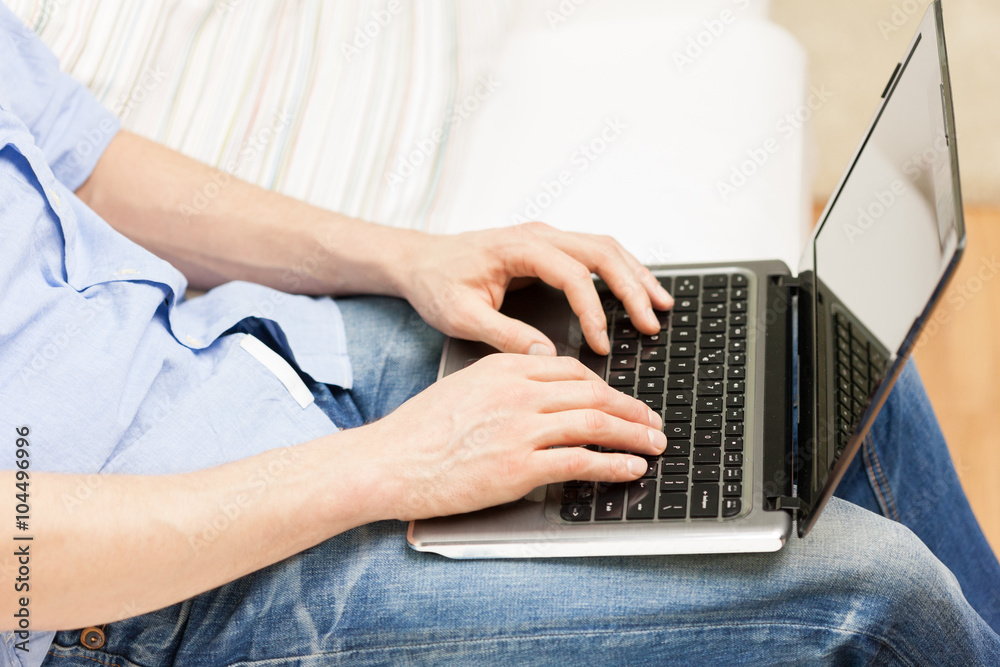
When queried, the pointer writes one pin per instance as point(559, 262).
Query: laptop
point(767, 381)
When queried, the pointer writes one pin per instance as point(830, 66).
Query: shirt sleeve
point(67, 122)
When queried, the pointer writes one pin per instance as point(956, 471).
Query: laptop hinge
point(790, 283)
point(789, 503)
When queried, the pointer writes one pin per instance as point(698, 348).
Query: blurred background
point(853, 45)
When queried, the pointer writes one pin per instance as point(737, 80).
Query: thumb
point(507, 334)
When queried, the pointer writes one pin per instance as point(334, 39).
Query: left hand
point(458, 282)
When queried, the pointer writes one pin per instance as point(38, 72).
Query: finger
point(565, 273)
point(505, 333)
point(566, 463)
point(543, 369)
point(627, 278)
point(595, 427)
point(597, 395)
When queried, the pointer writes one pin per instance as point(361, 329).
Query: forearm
point(136, 544)
point(215, 227)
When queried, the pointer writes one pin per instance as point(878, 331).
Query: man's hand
point(458, 282)
point(492, 432)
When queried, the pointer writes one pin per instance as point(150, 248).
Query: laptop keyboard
point(859, 368)
point(694, 374)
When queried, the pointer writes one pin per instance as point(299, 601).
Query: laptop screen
point(880, 255)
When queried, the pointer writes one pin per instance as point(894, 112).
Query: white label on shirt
point(281, 369)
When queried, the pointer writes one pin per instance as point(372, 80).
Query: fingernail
point(666, 296)
point(636, 466)
point(540, 349)
point(655, 420)
point(657, 438)
point(651, 316)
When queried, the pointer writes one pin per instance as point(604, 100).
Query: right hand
point(486, 435)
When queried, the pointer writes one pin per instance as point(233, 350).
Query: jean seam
point(115, 662)
point(882, 642)
point(876, 476)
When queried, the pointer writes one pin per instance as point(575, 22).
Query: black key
point(732, 490)
point(844, 398)
point(687, 286)
point(734, 429)
point(680, 382)
point(738, 294)
point(656, 340)
point(707, 456)
point(734, 401)
point(575, 512)
point(621, 315)
point(623, 363)
point(684, 320)
point(682, 350)
point(677, 430)
point(859, 348)
point(677, 414)
point(685, 305)
point(653, 354)
point(737, 359)
point(716, 281)
point(677, 447)
point(733, 459)
point(733, 444)
point(621, 378)
point(732, 475)
point(681, 366)
point(673, 506)
point(709, 404)
point(734, 415)
point(704, 501)
point(712, 340)
point(860, 379)
point(609, 503)
point(730, 507)
point(652, 369)
point(845, 414)
point(666, 281)
point(708, 422)
point(625, 330)
point(674, 466)
point(859, 364)
point(641, 499)
point(654, 401)
point(738, 332)
point(843, 346)
point(680, 398)
point(713, 310)
point(707, 438)
point(716, 356)
point(625, 347)
point(713, 326)
point(706, 473)
point(736, 373)
point(738, 319)
point(688, 335)
point(714, 296)
point(710, 388)
point(652, 467)
point(711, 372)
point(737, 346)
point(736, 386)
point(648, 386)
point(740, 280)
point(674, 483)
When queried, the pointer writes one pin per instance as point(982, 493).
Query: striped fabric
point(350, 106)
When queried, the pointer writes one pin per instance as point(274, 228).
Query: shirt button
point(92, 638)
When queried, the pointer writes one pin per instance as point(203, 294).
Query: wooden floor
point(959, 360)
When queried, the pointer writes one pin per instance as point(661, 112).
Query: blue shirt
point(101, 357)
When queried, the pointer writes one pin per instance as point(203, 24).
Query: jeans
point(896, 571)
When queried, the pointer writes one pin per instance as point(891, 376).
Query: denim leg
point(904, 472)
point(861, 589)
